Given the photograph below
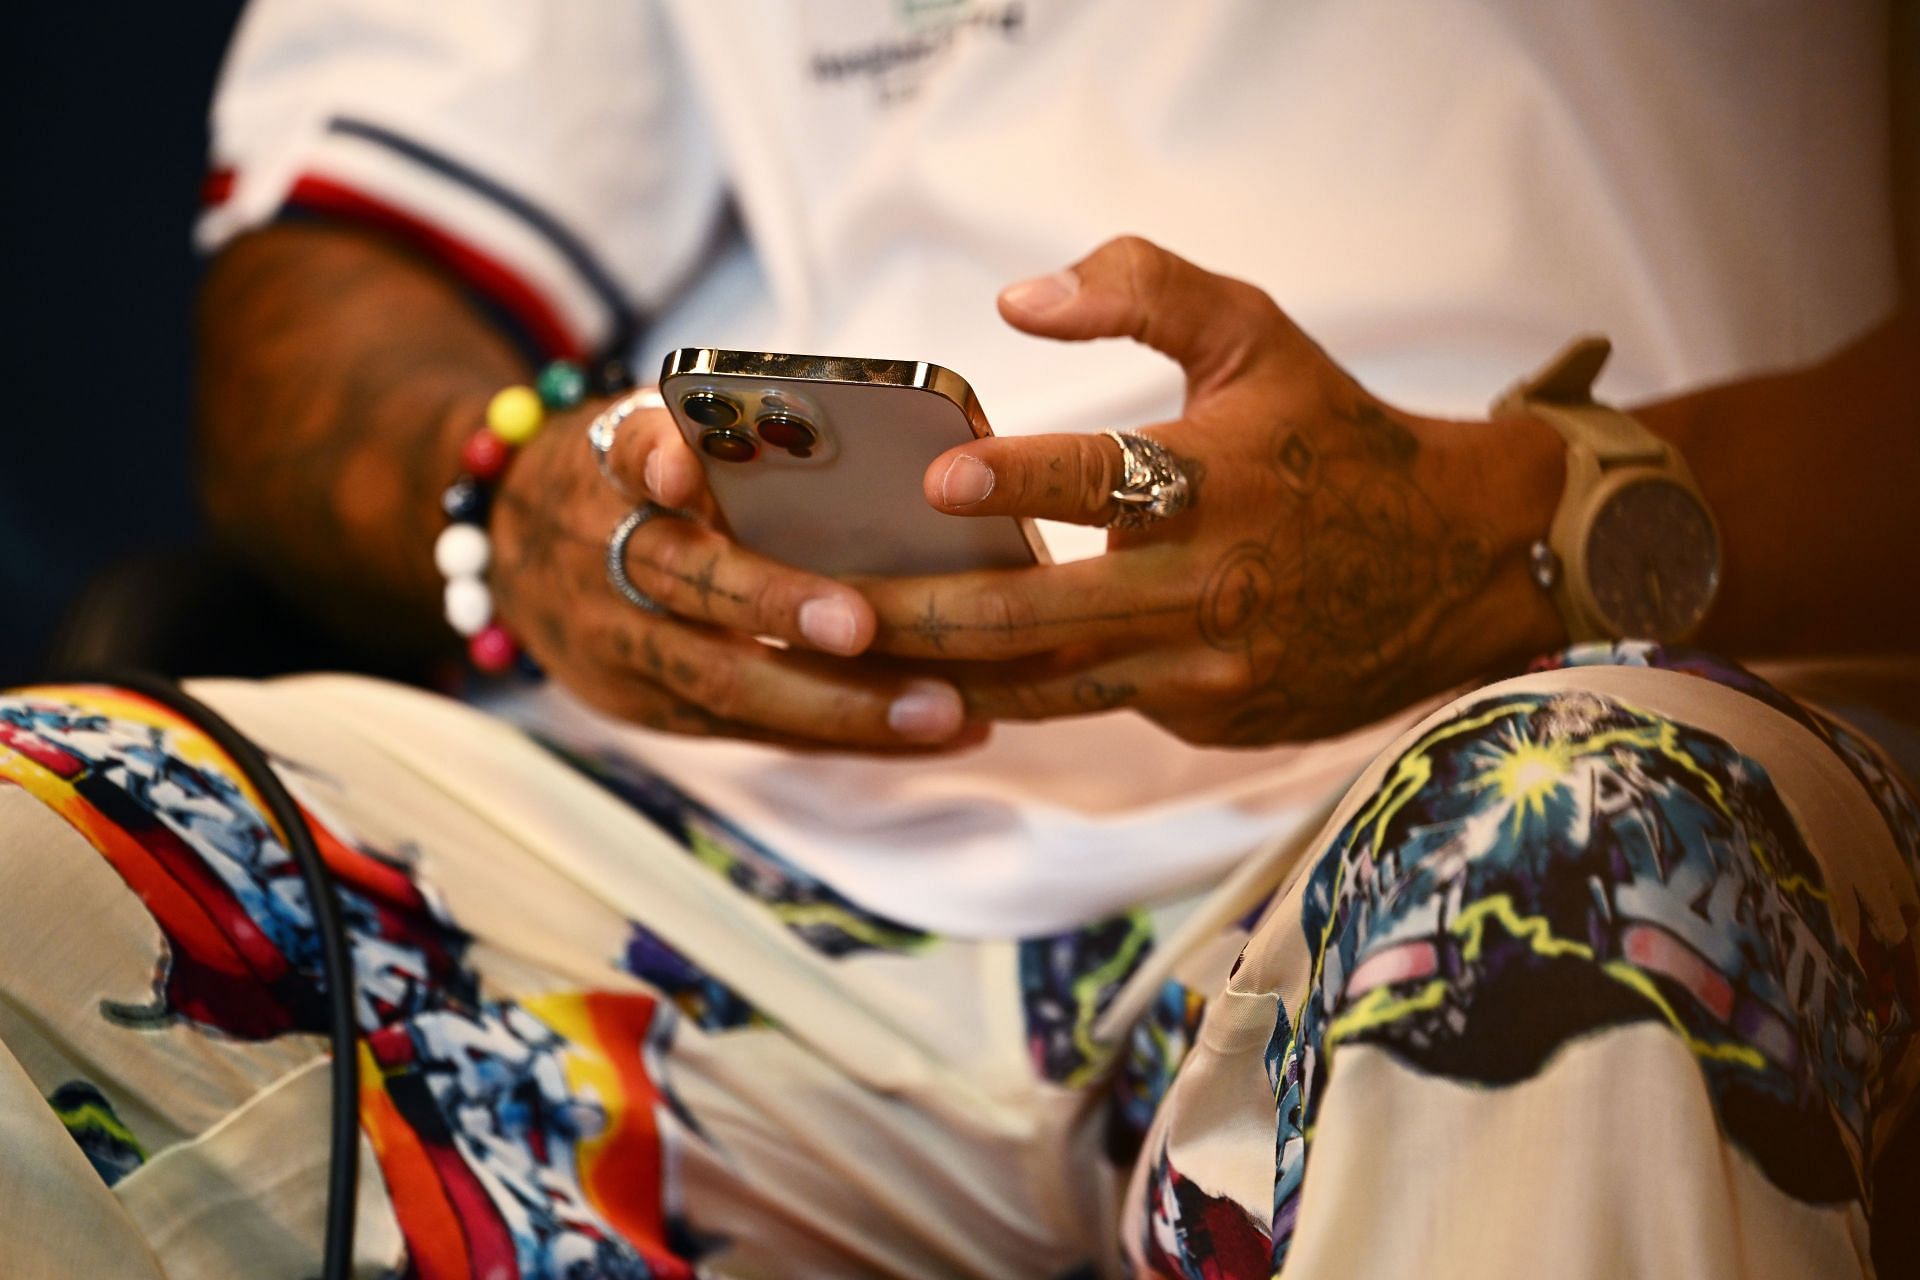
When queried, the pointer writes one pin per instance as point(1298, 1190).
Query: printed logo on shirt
point(894, 68)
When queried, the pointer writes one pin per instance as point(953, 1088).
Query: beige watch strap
point(1599, 439)
point(1561, 395)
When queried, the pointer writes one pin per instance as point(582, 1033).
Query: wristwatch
point(1633, 551)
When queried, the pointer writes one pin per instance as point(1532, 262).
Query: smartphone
point(817, 460)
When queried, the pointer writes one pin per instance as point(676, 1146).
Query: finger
point(650, 459)
point(1215, 326)
point(649, 705)
point(1010, 613)
point(1157, 683)
point(692, 571)
point(788, 693)
point(1056, 477)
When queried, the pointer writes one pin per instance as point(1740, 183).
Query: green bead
point(562, 385)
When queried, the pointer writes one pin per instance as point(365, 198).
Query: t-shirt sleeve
point(551, 155)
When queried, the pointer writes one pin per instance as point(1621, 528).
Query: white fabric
point(1440, 193)
point(1571, 1150)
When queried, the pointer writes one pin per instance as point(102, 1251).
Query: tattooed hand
point(1340, 558)
point(700, 669)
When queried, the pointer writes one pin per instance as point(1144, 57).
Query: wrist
point(517, 419)
point(1500, 482)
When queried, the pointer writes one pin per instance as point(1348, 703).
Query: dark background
point(106, 141)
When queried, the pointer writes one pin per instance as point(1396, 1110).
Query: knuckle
point(1134, 250)
point(1096, 467)
point(1022, 476)
point(1214, 678)
point(1262, 312)
point(773, 604)
point(1250, 299)
point(1003, 613)
point(848, 717)
point(1144, 264)
point(715, 684)
point(661, 552)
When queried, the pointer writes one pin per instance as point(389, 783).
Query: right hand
point(698, 669)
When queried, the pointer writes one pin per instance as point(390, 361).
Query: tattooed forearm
point(337, 379)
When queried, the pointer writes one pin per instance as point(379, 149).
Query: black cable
point(336, 961)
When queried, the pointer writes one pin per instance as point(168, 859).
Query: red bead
point(485, 455)
point(492, 649)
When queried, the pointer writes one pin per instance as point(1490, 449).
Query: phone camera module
point(728, 444)
point(709, 409)
point(789, 432)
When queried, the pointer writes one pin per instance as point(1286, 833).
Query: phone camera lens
point(786, 431)
point(710, 410)
point(728, 444)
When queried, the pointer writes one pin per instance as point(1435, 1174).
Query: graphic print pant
point(1605, 970)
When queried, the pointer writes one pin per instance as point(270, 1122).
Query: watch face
point(1653, 560)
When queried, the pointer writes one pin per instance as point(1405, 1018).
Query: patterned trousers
point(1608, 969)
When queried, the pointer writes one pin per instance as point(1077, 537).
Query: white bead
point(462, 551)
point(469, 605)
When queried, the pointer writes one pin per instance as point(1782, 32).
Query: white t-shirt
point(1440, 193)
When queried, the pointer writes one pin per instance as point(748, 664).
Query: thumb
point(1215, 326)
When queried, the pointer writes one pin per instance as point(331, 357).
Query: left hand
point(1340, 558)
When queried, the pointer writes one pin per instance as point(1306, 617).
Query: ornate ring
point(1152, 484)
point(606, 424)
point(617, 555)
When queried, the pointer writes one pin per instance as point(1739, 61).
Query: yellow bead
point(514, 415)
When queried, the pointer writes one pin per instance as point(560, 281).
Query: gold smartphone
point(816, 460)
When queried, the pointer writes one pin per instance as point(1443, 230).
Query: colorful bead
point(464, 502)
point(461, 551)
point(492, 650)
point(468, 605)
point(514, 414)
point(561, 385)
point(485, 455)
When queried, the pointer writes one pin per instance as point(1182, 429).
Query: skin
point(1342, 557)
point(339, 377)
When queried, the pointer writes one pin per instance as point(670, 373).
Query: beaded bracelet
point(463, 551)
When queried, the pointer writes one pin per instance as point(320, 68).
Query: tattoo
point(540, 527)
point(932, 627)
point(1330, 608)
point(1094, 694)
point(334, 376)
point(703, 584)
point(1296, 462)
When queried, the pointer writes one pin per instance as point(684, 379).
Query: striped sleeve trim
point(537, 276)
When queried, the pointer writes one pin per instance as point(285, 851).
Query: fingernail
point(967, 481)
point(1042, 293)
point(929, 711)
point(828, 622)
point(656, 473)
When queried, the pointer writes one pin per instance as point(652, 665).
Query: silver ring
point(1152, 484)
point(606, 425)
point(617, 555)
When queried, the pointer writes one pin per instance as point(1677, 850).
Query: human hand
point(698, 668)
point(1340, 558)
